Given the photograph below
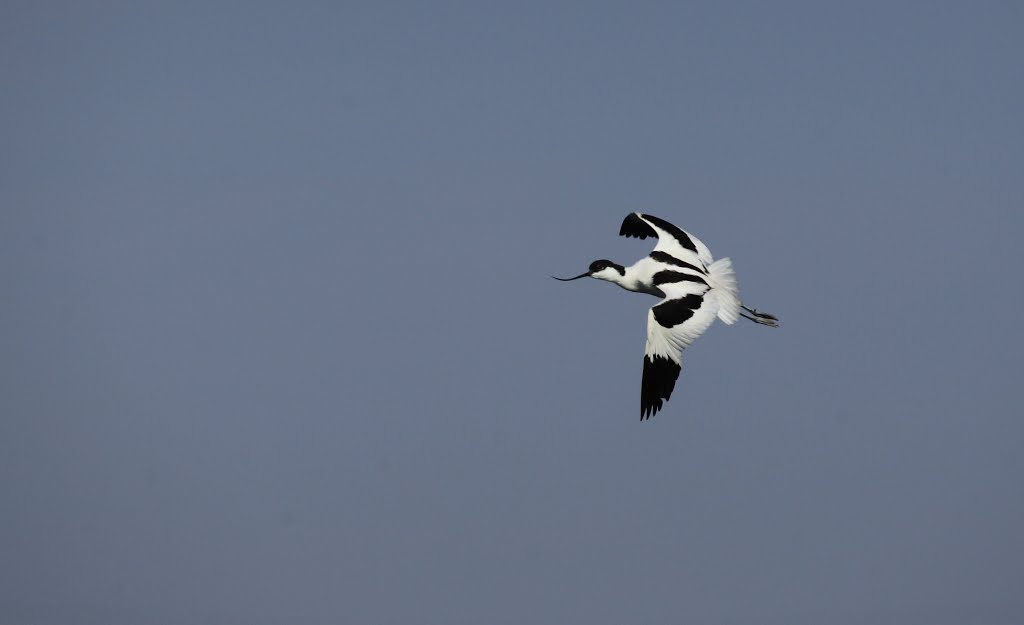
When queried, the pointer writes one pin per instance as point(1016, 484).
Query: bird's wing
point(673, 241)
point(672, 325)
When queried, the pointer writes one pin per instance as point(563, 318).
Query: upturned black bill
point(582, 275)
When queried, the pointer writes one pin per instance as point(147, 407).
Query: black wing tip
point(646, 412)
point(659, 380)
point(633, 226)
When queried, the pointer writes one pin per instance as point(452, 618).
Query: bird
point(694, 289)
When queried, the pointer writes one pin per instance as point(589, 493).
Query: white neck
point(637, 278)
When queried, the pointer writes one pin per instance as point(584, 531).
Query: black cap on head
point(598, 265)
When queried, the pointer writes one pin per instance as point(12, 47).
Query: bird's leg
point(756, 313)
point(762, 318)
point(764, 322)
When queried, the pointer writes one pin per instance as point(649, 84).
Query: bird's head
point(602, 270)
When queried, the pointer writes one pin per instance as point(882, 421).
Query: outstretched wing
point(673, 241)
point(672, 325)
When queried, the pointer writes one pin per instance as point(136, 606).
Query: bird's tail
point(725, 289)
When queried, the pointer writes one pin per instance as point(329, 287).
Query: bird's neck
point(627, 282)
point(636, 281)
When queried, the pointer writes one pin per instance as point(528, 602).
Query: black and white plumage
point(694, 289)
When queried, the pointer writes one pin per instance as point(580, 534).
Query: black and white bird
point(694, 288)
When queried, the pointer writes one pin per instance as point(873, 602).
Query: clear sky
point(278, 342)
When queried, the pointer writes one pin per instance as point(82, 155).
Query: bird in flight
point(693, 287)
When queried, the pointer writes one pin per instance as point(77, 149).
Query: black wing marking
point(679, 235)
point(635, 225)
point(660, 375)
point(668, 259)
point(672, 312)
point(668, 276)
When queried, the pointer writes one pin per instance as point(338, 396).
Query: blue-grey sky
point(278, 342)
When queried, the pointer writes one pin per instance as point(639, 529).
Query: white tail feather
point(725, 290)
